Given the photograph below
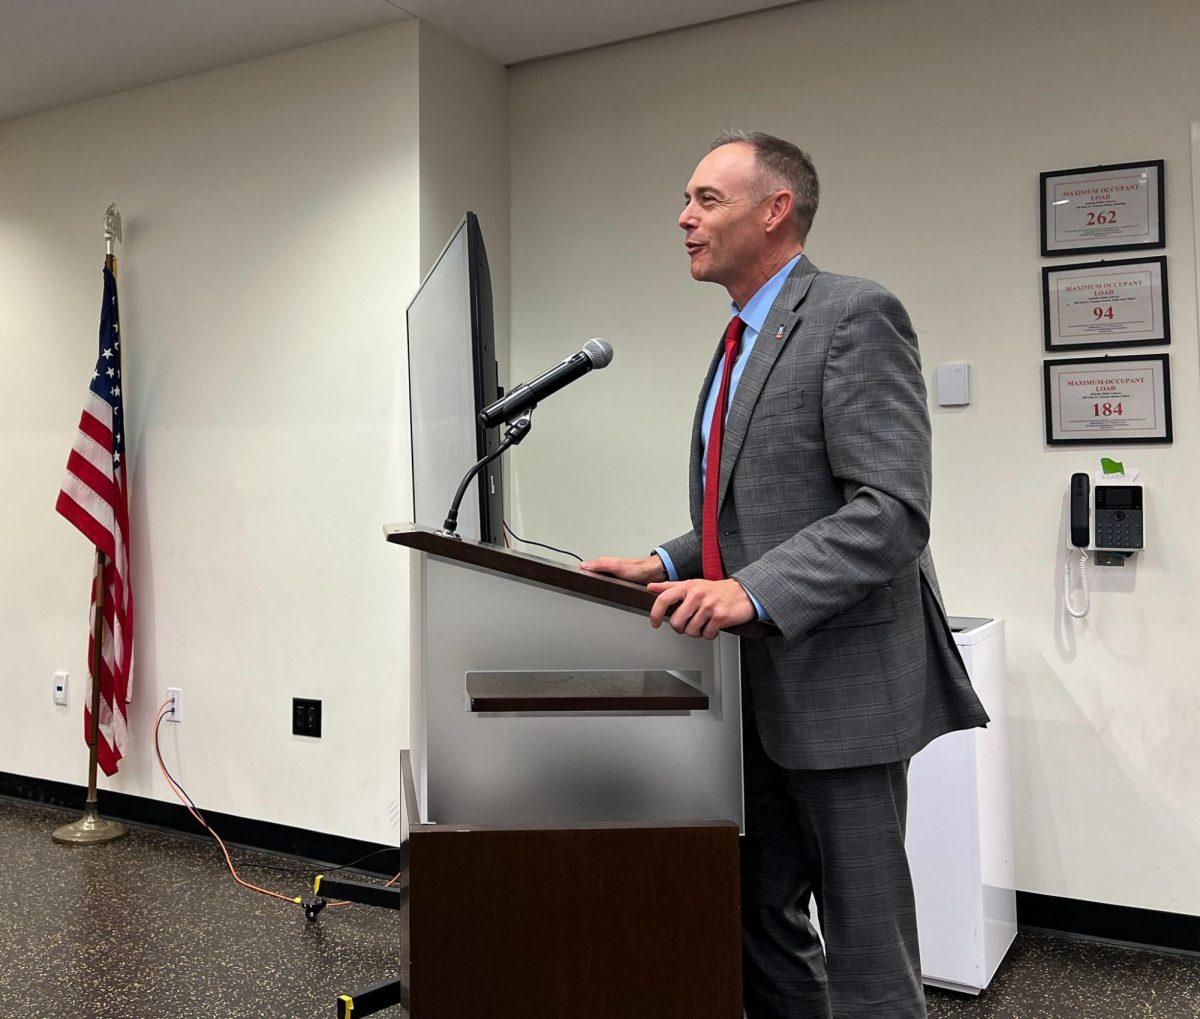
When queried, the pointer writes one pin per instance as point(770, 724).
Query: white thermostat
point(952, 383)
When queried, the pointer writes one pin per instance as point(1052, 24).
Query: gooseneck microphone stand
point(517, 430)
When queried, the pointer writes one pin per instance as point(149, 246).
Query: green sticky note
point(1112, 466)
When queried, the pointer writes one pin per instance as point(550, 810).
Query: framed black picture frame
point(1119, 303)
point(1108, 400)
point(1094, 209)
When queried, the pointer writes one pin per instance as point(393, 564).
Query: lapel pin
point(779, 333)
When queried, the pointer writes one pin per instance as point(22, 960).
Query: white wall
point(464, 159)
point(278, 218)
point(929, 121)
point(271, 217)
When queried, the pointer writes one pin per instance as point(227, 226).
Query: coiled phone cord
point(1087, 599)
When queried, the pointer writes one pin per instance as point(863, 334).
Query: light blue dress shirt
point(754, 315)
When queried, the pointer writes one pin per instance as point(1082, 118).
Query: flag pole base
point(89, 830)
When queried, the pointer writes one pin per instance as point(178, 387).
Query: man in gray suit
point(810, 492)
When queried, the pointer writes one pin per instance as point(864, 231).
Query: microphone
point(596, 353)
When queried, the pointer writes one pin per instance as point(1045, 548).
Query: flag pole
point(92, 829)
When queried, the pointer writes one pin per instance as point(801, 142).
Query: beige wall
point(271, 235)
point(464, 159)
point(279, 215)
point(929, 121)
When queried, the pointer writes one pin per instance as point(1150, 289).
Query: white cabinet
point(960, 845)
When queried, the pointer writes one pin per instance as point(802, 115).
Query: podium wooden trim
point(523, 566)
point(573, 921)
point(563, 919)
point(582, 691)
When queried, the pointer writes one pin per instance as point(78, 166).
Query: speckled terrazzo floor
point(152, 927)
point(1061, 978)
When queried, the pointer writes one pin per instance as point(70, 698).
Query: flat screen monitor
point(452, 376)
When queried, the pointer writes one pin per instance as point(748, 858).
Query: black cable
point(163, 764)
point(204, 823)
point(353, 863)
point(525, 541)
point(312, 872)
point(244, 864)
point(181, 792)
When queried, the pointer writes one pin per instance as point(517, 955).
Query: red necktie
point(709, 549)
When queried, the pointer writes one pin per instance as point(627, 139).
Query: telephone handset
point(1081, 511)
point(1080, 537)
point(1106, 519)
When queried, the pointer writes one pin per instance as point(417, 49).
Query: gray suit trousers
point(836, 836)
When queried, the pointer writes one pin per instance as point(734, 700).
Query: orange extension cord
point(191, 809)
point(183, 798)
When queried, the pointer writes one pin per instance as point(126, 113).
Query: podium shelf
point(630, 690)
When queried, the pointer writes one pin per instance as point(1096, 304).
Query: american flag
point(95, 498)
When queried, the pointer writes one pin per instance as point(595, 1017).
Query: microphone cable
point(526, 541)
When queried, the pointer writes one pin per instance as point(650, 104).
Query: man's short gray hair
point(783, 167)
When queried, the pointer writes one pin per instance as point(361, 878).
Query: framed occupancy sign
point(1108, 399)
point(1106, 304)
point(1103, 208)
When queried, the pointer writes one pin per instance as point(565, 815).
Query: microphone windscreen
point(599, 352)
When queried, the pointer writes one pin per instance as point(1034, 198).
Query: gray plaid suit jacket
point(824, 516)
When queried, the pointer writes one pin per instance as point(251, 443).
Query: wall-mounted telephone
point(1106, 519)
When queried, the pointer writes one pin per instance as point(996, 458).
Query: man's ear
point(779, 211)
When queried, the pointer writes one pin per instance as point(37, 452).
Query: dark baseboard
point(317, 847)
point(1126, 925)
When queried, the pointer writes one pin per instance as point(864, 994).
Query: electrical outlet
point(175, 714)
point(306, 717)
point(61, 681)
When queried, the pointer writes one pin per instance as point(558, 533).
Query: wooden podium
point(573, 796)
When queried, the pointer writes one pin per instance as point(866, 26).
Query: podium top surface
point(522, 566)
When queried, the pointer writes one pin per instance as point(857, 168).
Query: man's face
point(724, 216)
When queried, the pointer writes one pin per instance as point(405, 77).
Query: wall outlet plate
point(61, 687)
point(306, 717)
point(176, 712)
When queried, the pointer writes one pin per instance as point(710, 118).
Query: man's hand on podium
point(697, 608)
point(645, 570)
point(703, 608)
